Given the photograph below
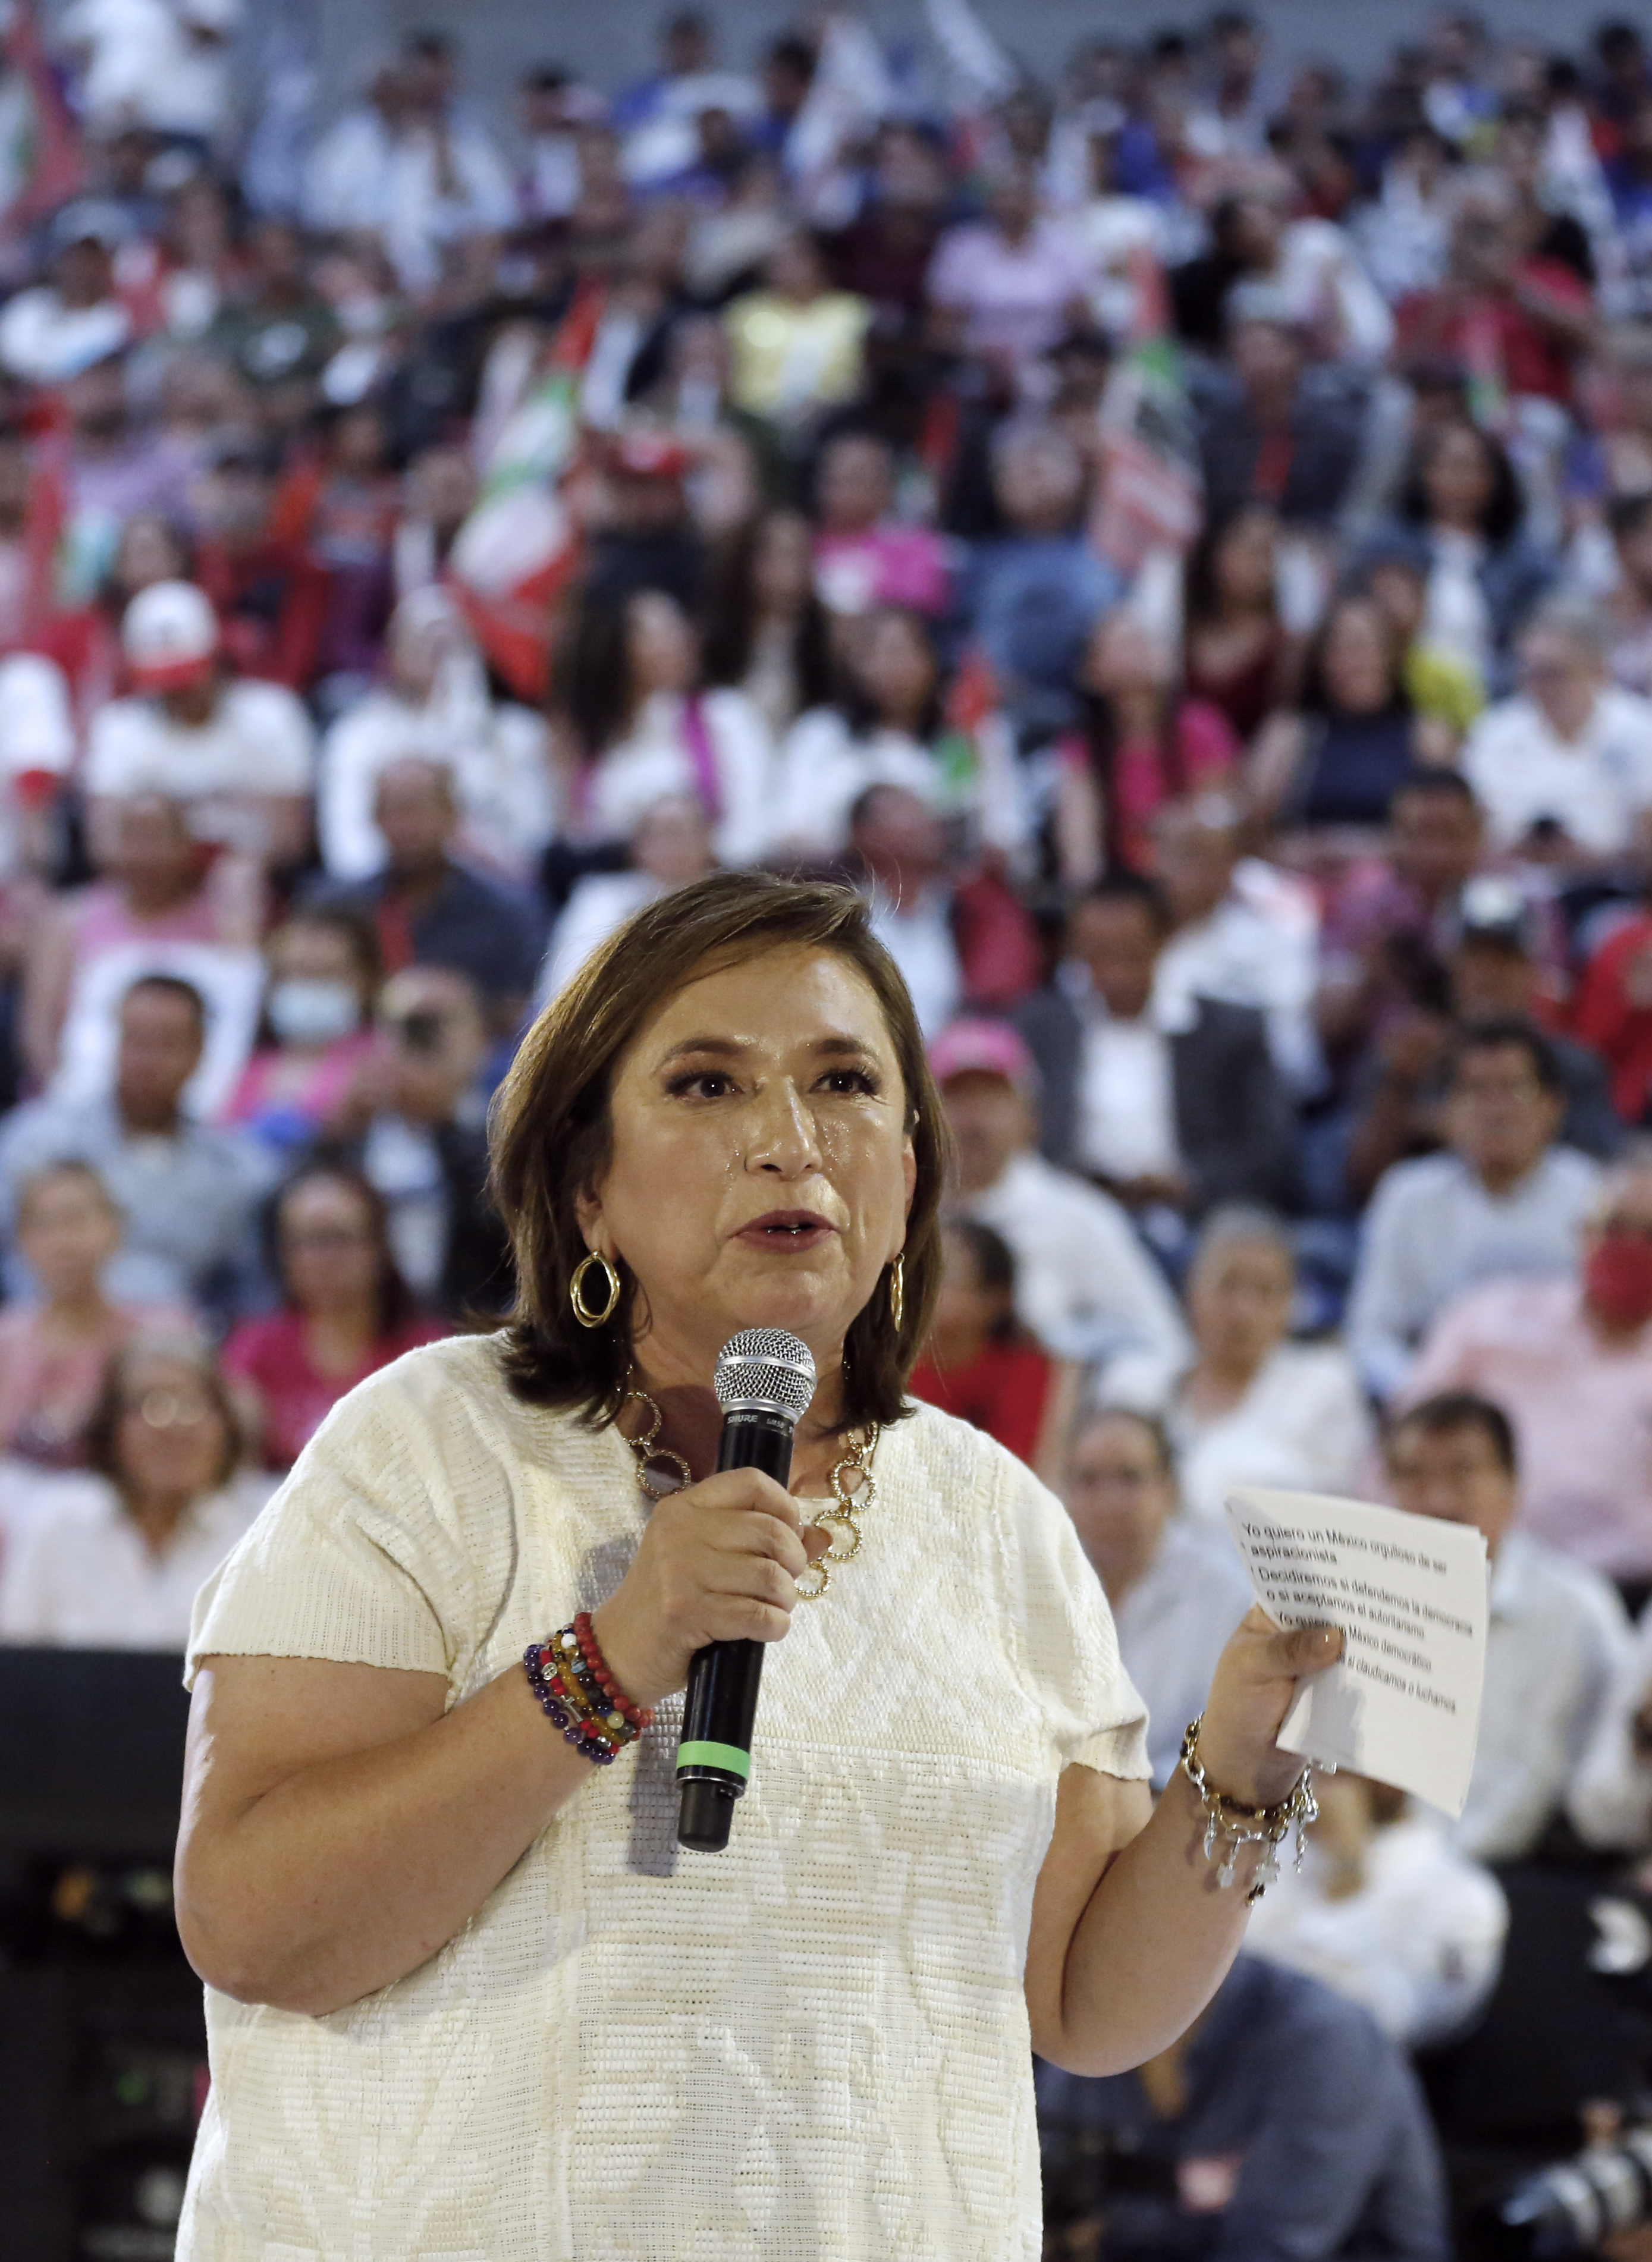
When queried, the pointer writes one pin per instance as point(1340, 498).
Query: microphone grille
point(766, 1367)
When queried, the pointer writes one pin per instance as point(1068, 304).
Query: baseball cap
point(169, 636)
point(980, 1047)
point(1493, 908)
point(649, 456)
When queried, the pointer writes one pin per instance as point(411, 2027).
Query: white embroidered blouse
point(810, 2047)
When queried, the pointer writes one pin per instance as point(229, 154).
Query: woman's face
point(857, 485)
point(170, 1437)
point(1358, 660)
point(329, 1253)
point(782, 569)
point(1458, 481)
point(148, 551)
point(1124, 658)
point(896, 667)
point(1239, 1301)
point(761, 1170)
point(660, 645)
point(68, 1233)
point(1246, 561)
point(967, 1313)
point(314, 950)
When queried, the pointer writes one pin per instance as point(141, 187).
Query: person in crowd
point(1444, 690)
point(1248, 1406)
point(1386, 1910)
point(1612, 1014)
point(434, 703)
point(671, 847)
point(1267, 433)
point(765, 631)
point(53, 330)
point(1003, 288)
point(636, 726)
point(426, 907)
point(1361, 736)
point(1570, 1361)
point(54, 1346)
point(1564, 769)
point(324, 973)
point(1035, 591)
point(239, 755)
point(795, 345)
point(979, 1363)
point(415, 1127)
point(1460, 515)
point(1171, 1110)
point(1139, 745)
point(1628, 603)
point(158, 888)
point(1558, 1638)
point(189, 1194)
point(1241, 659)
point(1084, 1286)
point(1176, 1589)
point(889, 726)
point(1283, 2123)
point(1490, 969)
point(115, 1560)
point(1502, 1197)
point(1610, 1802)
point(346, 1311)
point(864, 554)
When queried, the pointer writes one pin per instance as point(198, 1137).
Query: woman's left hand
point(1253, 1688)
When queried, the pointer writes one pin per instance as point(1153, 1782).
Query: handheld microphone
point(764, 1381)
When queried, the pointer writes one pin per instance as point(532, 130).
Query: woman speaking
point(467, 1998)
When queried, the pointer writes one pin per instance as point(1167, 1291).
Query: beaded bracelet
point(578, 1694)
point(1239, 1826)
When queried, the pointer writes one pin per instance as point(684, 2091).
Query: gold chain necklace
point(854, 1486)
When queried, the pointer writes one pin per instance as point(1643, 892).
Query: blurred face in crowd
point(68, 1230)
point(328, 1245)
point(1357, 659)
point(1484, 250)
point(673, 844)
point(1400, 593)
point(969, 1313)
point(1561, 676)
point(857, 485)
point(991, 1123)
point(1247, 562)
point(96, 401)
point(1266, 359)
point(170, 1440)
point(1038, 480)
point(1013, 201)
point(1120, 1493)
point(1239, 1296)
point(901, 841)
point(160, 1049)
point(1118, 942)
point(782, 564)
point(437, 1040)
point(911, 178)
point(441, 489)
point(83, 273)
point(895, 665)
point(1124, 659)
point(320, 988)
point(794, 270)
point(1499, 1117)
point(1492, 978)
point(151, 851)
point(1454, 1475)
point(661, 649)
point(1195, 848)
point(148, 551)
point(1255, 230)
point(416, 815)
point(1438, 839)
point(1458, 478)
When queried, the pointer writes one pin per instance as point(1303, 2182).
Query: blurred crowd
point(1178, 537)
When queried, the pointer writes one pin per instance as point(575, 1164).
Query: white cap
point(169, 634)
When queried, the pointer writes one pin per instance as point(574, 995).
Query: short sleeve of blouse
point(363, 1556)
point(1069, 1648)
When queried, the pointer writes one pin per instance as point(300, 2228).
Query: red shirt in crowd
point(1004, 1390)
point(1611, 1020)
point(271, 1355)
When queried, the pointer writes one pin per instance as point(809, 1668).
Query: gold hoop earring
point(898, 1289)
point(585, 1317)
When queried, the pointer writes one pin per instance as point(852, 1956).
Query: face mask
point(312, 1012)
point(1618, 1280)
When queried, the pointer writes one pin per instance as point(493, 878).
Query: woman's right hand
point(719, 1561)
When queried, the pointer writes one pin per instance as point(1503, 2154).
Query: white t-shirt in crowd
point(79, 1571)
point(1173, 1624)
point(1127, 1101)
point(1595, 786)
point(257, 741)
point(656, 761)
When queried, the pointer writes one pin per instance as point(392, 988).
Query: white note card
point(1401, 1704)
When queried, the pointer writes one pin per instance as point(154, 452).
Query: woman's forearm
point(1154, 1942)
point(354, 1870)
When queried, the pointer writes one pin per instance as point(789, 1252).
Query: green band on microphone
point(729, 1757)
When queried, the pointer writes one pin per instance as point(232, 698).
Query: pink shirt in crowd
point(295, 1397)
point(890, 565)
point(1582, 1413)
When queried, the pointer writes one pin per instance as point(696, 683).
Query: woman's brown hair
point(101, 1441)
point(551, 1133)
